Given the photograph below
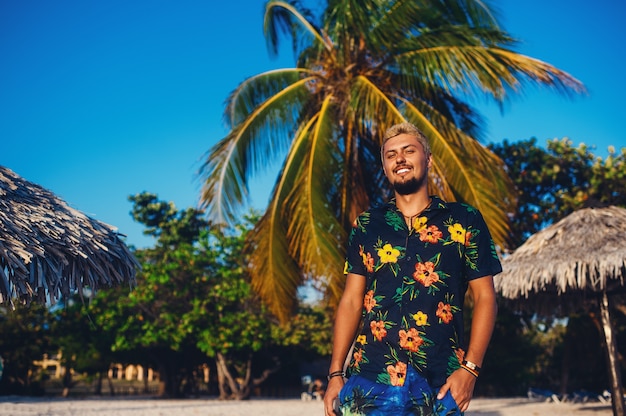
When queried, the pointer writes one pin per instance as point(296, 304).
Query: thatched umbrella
point(576, 263)
point(49, 250)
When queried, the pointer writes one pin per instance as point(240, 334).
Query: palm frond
point(285, 17)
point(315, 234)
point(495, 71)
point(274, 272)
point(255, 90)
point(246, 149)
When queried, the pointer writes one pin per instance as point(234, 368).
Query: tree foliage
point(555, 181)
point(362, 66)
point(25, 338)
point(194, 302)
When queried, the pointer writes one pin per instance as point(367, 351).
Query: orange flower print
point(368, 260)
point(378, 330)
point(388, 254)
point(397, 374)
point(358, 357)
point(369, 302)
point(419, 224)
point(431, 234)
point(410, 340)
point(468, 237)
point(444, 312)
point(425, 273)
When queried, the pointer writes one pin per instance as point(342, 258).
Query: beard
point(410, 186)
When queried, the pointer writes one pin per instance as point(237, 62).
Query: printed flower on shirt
point(369, 302)
point(410, 340)
point(457, 233)
point(419, 224)
point(447, 309)
point(368, 260)
point(388, 254)
point(425, 273)
point(421, 319)
point(444, 312)
point(378, 329)
point(397, 374)
point(431, 234)
point(358, 356)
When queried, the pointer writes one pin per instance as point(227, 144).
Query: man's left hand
point(461, 385)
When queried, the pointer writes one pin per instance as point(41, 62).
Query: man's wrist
point(470, 367)
point(338, 373)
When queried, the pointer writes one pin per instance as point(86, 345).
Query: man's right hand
point(332, 393)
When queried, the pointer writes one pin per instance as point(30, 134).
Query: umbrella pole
point(617, 394)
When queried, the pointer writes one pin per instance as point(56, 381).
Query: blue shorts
point(360, 396)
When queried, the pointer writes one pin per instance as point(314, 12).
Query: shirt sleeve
point(354, 253)
point(481, 258)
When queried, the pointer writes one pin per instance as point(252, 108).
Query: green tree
point(555, 181)
point(85, 347)
point(153, 318)
point(194, 300)
point(25, 338)
point(361, 67)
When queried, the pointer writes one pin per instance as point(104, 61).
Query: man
point(408, 266)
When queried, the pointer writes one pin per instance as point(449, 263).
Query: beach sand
point(142, 406)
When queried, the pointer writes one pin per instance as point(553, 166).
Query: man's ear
point(430, 161)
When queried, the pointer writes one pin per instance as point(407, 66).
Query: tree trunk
point(67, 382)
point(111, 386)
point(229, 387)
point(611, 350)
point(168, 380)
point(146, 388)
point(98, 387)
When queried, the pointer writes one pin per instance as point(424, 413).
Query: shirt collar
point(436, 204)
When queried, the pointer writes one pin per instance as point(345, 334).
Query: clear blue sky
point(101, 99)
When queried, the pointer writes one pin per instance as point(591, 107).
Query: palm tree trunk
point(611, 350)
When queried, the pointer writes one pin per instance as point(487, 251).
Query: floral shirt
point(416, 283)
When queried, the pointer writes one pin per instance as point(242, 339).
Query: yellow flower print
point(457, 233)
point(421, 318)
point(419, 223)
point(361, 339)
point(388, 254)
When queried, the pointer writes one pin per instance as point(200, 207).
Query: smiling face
point(406, 164)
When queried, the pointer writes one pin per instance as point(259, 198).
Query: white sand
point(141, 406)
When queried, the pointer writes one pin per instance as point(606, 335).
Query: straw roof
point(49, 250)
point(580, 255)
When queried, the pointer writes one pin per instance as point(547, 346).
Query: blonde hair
point(405, 128)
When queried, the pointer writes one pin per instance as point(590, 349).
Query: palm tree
point(368, 65)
